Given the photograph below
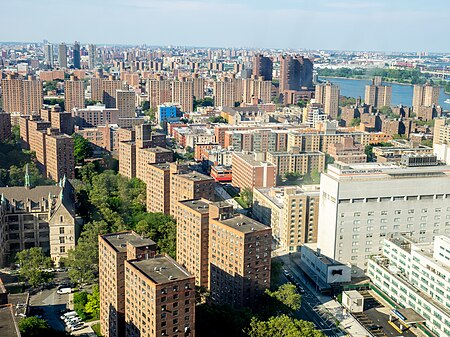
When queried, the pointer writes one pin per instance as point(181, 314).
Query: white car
point(64, 291)
point(77, 327)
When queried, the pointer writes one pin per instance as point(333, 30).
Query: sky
point(378, 25)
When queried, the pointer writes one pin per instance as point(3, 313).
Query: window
point(62, 239)
point(62, 249)
point(61, 230)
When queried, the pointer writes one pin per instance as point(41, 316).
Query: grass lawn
point(96, 328)
point(241, 202)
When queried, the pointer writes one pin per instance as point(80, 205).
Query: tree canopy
point(81, 147)
point(282, 326)
point(33, 263)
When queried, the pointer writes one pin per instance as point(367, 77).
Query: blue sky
point(394, 25)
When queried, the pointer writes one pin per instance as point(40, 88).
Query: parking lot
point(375, 318)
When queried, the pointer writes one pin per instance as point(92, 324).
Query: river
point(401, 93)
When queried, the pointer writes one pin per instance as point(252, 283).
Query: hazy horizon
point(348, 25)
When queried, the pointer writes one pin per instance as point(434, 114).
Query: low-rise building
point(292, 213)
point(347, 151)
point(417, 276)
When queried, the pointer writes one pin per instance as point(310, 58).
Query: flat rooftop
point(161, 269)
point(119, 240)
point(8, 326)
point(244, 224)
point(162, 166)
point(250, 159)
point(198, 205)
point(157, 149)
point(195, 176)
point(384, 171)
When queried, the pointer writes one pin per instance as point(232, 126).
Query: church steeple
point(27, 178)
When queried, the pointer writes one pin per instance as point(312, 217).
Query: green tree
point(292, 176)
point(33, 263)
point(33, 327)
point(287, 298)
point(145, 105)
point(247, 196)
point(83, 260)
point(38, 327)
point(93, 302)
point(81, 147)
point(355, 121)
point(282, 326)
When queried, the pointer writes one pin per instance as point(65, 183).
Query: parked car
point(69, 314)
point(77, 327)
point(374, 327)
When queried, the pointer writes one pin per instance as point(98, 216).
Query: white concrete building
point(360, 204)
point(417, 276)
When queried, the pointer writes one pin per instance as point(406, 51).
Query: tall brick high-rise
point(425, 95)
point(328, 95)
point(296, 72)
point(263, 66)
point(114, 250)
point(73, 93)
point(183, 93)
point(377, 94)
point(24, 96)
point(239, 258)
point(159, 91)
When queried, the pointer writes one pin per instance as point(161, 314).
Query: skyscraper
point(92, 55)
point(377, 94)
point(76, 55)
point(62, 55)
point(328, 95)
point(262, 66)
point(48, 54)
point(296, 72)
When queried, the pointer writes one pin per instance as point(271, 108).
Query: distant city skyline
point(378, 25)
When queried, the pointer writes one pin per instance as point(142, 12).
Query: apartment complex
point(263, 67)
point(105, 90)
point(22, 95)
point(378, 95)
point(114, 250)
point(328, 95)
point(128, 150)
point(183, 94)
point(186, 185)
point(298, 162)
point(291, 211)
point(256, 89)
point(192, 218)
point(37, 216)
point(159, 298)
point(159, 91)
point(73, 93)
point(158, 188)
point(425, 95)
point(295, 73)
point(347, 151)
point(250, 171)
point(239, 258)
point(54, 150)
point(360, 204)
point(416, 276)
